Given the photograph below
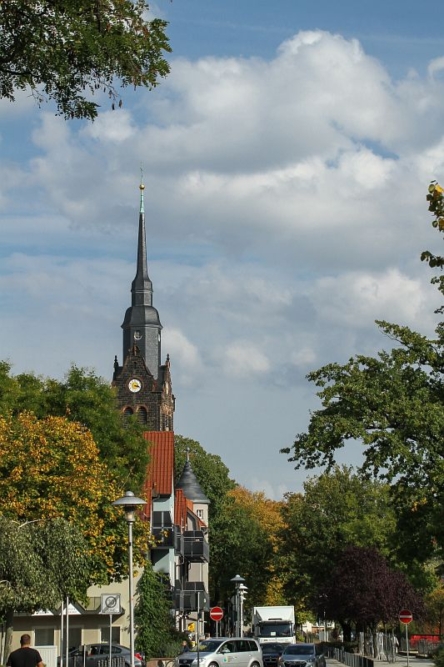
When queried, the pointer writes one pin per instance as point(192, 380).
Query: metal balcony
point(196, 547)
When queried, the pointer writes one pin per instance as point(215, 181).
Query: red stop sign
point(405, 616)
point(216, 613)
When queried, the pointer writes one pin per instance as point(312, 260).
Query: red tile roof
point(180, 509)
point(159, 478)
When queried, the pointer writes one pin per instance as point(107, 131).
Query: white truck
point(274, 624)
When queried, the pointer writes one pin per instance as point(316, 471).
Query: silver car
point(95, 655)
point(223, 651)
point(302, 655)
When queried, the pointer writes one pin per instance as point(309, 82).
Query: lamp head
point(129, 502)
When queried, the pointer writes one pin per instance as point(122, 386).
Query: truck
point(274, 624)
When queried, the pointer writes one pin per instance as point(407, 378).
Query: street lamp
point(129, 503)
point(240, 595)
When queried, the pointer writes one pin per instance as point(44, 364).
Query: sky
point(286, 160)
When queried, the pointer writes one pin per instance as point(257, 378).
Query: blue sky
point(286, 160)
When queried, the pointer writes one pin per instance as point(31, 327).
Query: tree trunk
point(6, 648)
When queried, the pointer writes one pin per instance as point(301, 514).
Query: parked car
point(302, 655)
point(219, 652)
point(90, 655)
point(271, 652)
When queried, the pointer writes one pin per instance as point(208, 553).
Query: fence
point(427, 648)
point(352, 659)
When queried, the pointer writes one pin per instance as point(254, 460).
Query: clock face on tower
point(134, 385)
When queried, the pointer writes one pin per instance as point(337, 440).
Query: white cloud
point(185, 357)
point(357, 299)
point(285, 208)
point(243, 359)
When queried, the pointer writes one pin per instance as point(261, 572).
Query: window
point(44, 637)
point(75, 637)
point(142, 415)
point(115, 635)
point(199, 513)
point(127, 412)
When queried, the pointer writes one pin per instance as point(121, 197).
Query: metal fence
point(352, 659)
point(80, 661)
point(427, 648)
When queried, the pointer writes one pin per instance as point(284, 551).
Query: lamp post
point(240, 592)
point(129, 502)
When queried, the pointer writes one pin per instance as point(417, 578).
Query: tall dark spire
point(142, 287)
point(141, 325)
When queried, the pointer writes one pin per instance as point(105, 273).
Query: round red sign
point(216, 613)
point(405, 616)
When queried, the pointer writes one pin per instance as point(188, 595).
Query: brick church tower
point(144, 384)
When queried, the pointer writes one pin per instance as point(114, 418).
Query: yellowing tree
point(50, 468)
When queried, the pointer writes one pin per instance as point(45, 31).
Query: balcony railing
point(196, 548)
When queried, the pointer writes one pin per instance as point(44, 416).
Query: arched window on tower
point(127, 412)
point(142, 415)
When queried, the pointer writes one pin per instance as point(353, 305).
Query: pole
point(67, 633)
point(237, 611)
point(110, 638)
point(241, 613)
point(62, 636)
point(130, 587)
point(407, 642)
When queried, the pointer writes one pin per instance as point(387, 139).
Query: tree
point(50, 468)
point(88, 399)
point(69, 51)
point(40, 563)
point(337, 509)
point(364, 591)
point(211, 473)
point(156, 632)
point(434, 610)
point(393, 405)
point(241, 538)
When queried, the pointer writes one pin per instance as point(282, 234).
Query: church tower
point(143, 384)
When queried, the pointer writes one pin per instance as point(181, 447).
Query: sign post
point(110, 604)
point(406, 617)
point(216, 614)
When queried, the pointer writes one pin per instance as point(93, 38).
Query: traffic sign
point(216, 613)
point(405, 616)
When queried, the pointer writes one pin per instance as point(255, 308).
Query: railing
point(95, 661)
point(427, 648)
point(352, 659)
point(196, 547)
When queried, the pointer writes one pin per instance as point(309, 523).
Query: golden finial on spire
point(141, 188)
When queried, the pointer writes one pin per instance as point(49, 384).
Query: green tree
point(68, 51)
point(393, 406)
point(90, 400)
point(240, 544)
point(40, 563)
point(157, 636)
point(337, 509)
point(211, 473)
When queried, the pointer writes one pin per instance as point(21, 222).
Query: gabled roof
point(159, 478)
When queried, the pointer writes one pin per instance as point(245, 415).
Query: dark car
point(271, 652)
point(90, 655)
point(302, 655)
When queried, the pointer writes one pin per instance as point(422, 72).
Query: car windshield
point(272, 648)
point(274, 629)
point(299, 649)
point(209, 646)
